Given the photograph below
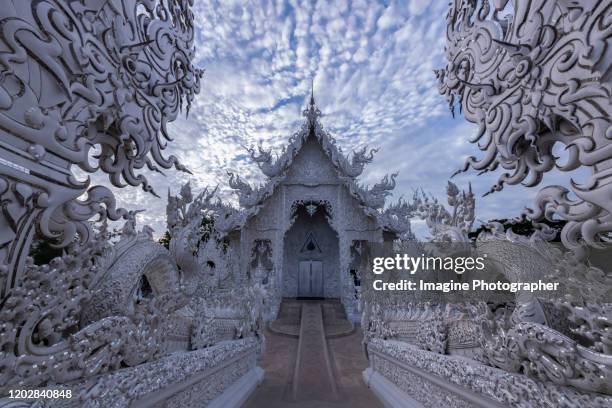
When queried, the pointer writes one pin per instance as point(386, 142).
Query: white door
point(310, 279)
point(304, 279)
point(316, 278)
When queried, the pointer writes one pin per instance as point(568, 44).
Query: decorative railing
point(220, 375)
point(410, 374)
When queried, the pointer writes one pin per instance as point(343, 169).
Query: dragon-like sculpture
point(396, 218)
point(223, 308)
point(184, 216)
point(89, 85)
point(544, 353)
point(267, 164)
point(359, 160)
point(535, 76)
point(89, 292)
point(563, 337)
point(274, 167)
point(374, 197)
point(248, 197)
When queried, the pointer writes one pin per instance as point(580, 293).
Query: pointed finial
point(311, 111)
point(312, 101)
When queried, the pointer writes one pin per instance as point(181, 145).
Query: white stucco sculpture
point(92, 85)
point(534, 77)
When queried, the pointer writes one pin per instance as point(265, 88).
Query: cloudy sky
point(372, 66)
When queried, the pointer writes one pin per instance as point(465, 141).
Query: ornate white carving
point(47, 304)
point(98, 95)
point(545, 354)
point(396, 218)
point(533, 76)
point(360, 158)
point(445, 225)
point(264, 160)
point(185, 379)
point(350, 168)
point(531, 336)
point(312, 173)
point(311, 206)
point(481, 383)
point(248, 196)
point(372, 198)
point(94, 84)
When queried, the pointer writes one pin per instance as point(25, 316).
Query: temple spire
point(312, 100)
point(312, 112)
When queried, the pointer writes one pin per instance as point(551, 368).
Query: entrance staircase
point(289, 317)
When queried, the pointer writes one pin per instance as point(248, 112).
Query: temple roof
point(372, 199)
point(347, 168)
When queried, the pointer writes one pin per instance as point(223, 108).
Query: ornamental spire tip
point(312, 100)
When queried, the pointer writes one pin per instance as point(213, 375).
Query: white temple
point(301, 224)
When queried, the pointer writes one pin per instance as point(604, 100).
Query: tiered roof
point(348, 169)
point(371, 199)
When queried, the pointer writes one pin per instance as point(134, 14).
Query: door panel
point(310, 279)
point(316, 278)
point(304, 279)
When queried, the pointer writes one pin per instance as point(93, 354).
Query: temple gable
point(312, 166)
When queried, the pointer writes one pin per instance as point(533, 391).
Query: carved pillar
point(245, 257)
point(278, 259)
point(347, 288)
point(279, 256)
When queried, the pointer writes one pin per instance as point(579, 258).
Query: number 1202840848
point(40, 393)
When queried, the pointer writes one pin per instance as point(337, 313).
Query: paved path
point(313, 378)
point(312, 370)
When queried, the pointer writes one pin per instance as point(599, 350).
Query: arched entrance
point(311, 261)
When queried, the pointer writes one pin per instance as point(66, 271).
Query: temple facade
point(302, 229)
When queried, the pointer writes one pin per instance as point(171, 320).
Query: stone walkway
point(318, 363)
point(313, 378)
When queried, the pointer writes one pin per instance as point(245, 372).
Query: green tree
point(42, 251)
point(165, 240)
point(520, 226)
